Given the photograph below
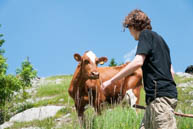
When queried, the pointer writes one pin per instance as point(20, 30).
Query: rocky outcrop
point(189, 69)
point(184, 75)
point(39, 113)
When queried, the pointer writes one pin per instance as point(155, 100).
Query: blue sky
point(51, 31)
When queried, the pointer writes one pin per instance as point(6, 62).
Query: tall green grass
point(115, 117)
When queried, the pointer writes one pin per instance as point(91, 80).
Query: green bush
point(26, 74)
point(8, 85)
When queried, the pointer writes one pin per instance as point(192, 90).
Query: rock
point(32, 128)
point(39, 113)
point(180, 111)
point(33, 100)
point(188, 101)
point(58, 81)
point(63, 118)
point(189, 69)
point(182, 85)
point(61, 121)
point(35, 81)
point(191, 93)
point(31, 90)
point(61, 100)
point(187, 84)
point(6, 125)
point(187, 75)
point(43, 81)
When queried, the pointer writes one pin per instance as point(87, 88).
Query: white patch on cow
point(131, 97)
point(91, 55)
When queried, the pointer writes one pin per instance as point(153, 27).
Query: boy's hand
point(106, 84)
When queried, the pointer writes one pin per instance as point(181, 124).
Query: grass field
point(117, 117)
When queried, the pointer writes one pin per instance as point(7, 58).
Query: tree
point(26, 74)
point(8, 83)
point(3, 65)
point(112, 63)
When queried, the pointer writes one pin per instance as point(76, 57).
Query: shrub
point(8, 85)
point(26, 74)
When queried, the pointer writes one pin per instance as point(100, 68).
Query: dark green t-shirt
point(157, 77)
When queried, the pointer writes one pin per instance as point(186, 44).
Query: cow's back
point(119, 89)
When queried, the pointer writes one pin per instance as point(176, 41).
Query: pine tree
point(112, 62)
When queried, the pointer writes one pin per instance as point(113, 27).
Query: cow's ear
point(102, 60)
point(77, 57)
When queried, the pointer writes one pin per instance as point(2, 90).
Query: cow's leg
point(100, 98)
point(98, 109)
point(80, 110)
point(95, 99)
point(134, 84)
point(131, 97)
point(136, 92)
point(96, 105)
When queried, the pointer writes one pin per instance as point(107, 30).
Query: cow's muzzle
point(94, 75)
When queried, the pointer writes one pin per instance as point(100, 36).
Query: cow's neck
point(80, 80)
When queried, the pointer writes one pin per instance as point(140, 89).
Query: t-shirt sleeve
point(144, 44)
point(169, 56)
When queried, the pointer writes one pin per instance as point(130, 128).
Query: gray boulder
point(189, 69)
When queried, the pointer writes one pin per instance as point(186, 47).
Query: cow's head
point(89, 63)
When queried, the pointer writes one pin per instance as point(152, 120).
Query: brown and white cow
point(85, 87)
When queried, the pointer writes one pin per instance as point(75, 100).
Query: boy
point(153, 56)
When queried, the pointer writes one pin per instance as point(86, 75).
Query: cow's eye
point(86, 62)
point(97, 62)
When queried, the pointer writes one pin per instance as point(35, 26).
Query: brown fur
point(85, 90)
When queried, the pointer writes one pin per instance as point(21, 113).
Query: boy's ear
point(102, 60)
point(77, 57)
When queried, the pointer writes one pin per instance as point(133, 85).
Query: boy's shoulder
point(147, 32)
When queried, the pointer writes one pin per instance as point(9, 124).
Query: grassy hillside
point(117, 117)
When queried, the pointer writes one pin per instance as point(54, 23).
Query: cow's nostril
point(95, 73)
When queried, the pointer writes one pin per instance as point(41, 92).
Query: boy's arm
point(129, 69)
point(172, 71)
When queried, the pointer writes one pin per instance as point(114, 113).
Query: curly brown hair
point(137, 19)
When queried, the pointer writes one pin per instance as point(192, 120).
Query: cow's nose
point(95, 73)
